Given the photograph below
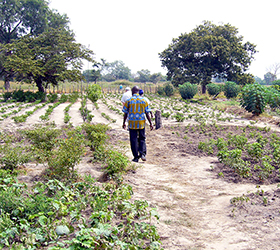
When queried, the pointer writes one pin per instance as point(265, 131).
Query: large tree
point(25, 17)
point(48, 58)
point(208, 51)
point(115, 71)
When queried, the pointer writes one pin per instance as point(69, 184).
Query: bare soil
point(182, 182)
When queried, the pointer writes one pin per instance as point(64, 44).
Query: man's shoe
point(143, 158)
point(135, 159)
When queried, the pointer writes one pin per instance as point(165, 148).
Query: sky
point(135, 31)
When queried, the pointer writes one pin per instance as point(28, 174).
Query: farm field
point(205, 198)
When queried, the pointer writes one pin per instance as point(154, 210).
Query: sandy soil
point(193, 203)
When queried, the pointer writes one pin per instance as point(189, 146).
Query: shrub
point(231, 90)
point(276, 84)
point(253, 98)
point(188, 90)
point(169, 89)
point(52, 97)
point(7, 96)
point(213, 89)
point(273, 97)
point(19, 95)
point(93, 92)
point(160, 90)
point(63, 98)
point(96, 134)
point(62, 160)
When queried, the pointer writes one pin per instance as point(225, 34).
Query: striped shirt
point(136, 107)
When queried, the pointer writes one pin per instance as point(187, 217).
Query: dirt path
point(193, 204)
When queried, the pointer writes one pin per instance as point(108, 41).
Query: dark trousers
point(137, 142)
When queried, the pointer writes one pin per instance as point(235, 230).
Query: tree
point(24, 17)
point(143, 76)
point(51, 57)
point(274, 70)
point(269, 78)
point(208, 51)
point(94, 74)
point(157, 77)
point(115, 71)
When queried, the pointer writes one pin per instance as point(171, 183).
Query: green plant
point(160, 90)
point(168, 89)
point(231, 89)
point(232, 159)
point(254, 98)
point(65, 157)
point(213, 89)
point(179, 117)
point(238, 141)
point(207, 146)
point(96, 134)
point(93, 92)
point(63, 98)
point(188, 90)
point(52, 97)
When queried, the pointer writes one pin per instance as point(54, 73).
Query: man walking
point(136, 109)
point(126, 95)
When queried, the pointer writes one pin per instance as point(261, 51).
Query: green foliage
point(43, 137)
point(12, 156)
point(206, 51)
point(231, 89)
point(48, 58)
point(50, 210)
point(63, 98)
point(255, 151)
point(273, 97)
point(188, 90)
point(254, 98)
point(160, 90)
point(116, 164)
point(207, 146)
point(232, 158)
point(237, 141)
point(168, 89)
point(96, 134)
point(52, 97)
point(67, 154)
point(93, 92)
point(213, 89)
point(24, 96)
point(179, 117)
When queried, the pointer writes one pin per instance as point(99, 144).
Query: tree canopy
point(50, 57)
point(37, 45)
point(208, 51)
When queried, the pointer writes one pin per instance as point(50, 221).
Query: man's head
point(135, 90)
point(127, 89)
point(141, 92)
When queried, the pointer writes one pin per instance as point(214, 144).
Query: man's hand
point(151, 126)
point(124, 126)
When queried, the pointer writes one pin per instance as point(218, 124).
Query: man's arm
point(124, 120)
point(149, 119)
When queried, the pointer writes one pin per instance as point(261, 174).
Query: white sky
point(136, 31)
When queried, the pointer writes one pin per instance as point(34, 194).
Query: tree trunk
point(39, 84)
point(7, 85)
point(203, 88)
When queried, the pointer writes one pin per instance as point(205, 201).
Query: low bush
point(188, 90)
point(213, 89)
point(160, 90)
point(254, 98)
point(231, 89)
point(168, 89)
point(93, 92)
